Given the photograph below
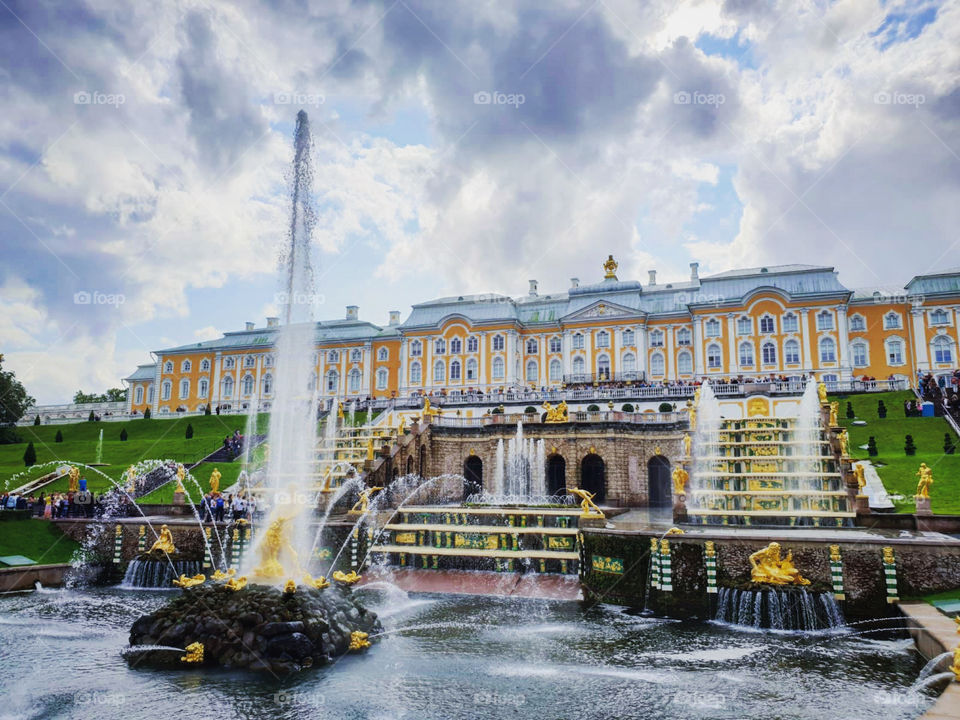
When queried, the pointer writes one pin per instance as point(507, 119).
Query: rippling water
point(459, 657)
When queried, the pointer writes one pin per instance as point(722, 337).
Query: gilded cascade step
point(476, 552)
point(482, 529)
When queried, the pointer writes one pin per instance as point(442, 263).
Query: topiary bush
point(949, 447)
point(665, 407)
point(58, 437)
point(30, 455)
point(850, 414)
point(189, 433)
point(909, 448)
point(593, 408)
point(881, 410)
point(123, 435)
point(529, 410)
point(627, 407)
point(872, 447)
point(146, 414)
point(36, 420)
point(206, 409)
point(91, 417)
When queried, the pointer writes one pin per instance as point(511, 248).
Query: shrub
point(146, 414)
point(30, 455)
point(206, 410)
point(881, 410)
point(909, 448)
point(850, 414)
point(627, 407)
point(36, 420)
point(123, 435)
point(872, 447)
point(529, 410)
point(593, 408)
point(59, 437)
point(949, 447)
point(497, 411)
point(666, 407)
point(91, 417)
point(189, 433)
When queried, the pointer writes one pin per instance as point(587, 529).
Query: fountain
point(99, 454)
point(519, 474)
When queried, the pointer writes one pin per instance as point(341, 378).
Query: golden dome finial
point(610, 266)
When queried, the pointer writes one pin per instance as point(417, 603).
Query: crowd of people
point(945, 399)
point(83, 503)
point(214, 507)
point(233, 444)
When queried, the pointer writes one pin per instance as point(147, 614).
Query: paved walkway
point(879, 497)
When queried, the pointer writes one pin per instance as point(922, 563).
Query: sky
point(459, 147)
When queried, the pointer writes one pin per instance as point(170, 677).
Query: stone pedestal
point(680, 509)
point(594, 521)
point(923, 505)
point(862, 505)
point(178, 498)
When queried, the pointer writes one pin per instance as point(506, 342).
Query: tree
point(949, 447)
point(91, 417)
point(146, 414)
point(850, 414)
point(59, 437)
point(36, 420)
point(116, 394)
point(80, 397)
point(30, 456)
point(14, 402)
point(189, 433)
point(123, 435)
point(872, 447)
point(909, 448)
point(881, 410)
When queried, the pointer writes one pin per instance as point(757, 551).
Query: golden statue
point(215, 481)
point(693, 417)
point(858, 473)
point(844, 443)
point(834, 410)
point(220, 576)
point(766, 566)
point(955, 668)
point(290, 587)
point(370, 449)
point(274, 542)
point(835, 553)
point(237, 583)
point(587, 506)
point(674, 531)
point(710, 549)
point(362, 506)
point(926, 481)
point(429, 412)
point(131, 474)
point(346, 578)
point(358, 641)
point(181, 473)
point(888, 555)
point(680, 477)
point(74, 474)
point(164, 542)
point(187, 582)
point(401, 424)
point(194, 653)
point(339, 410)
point(318, 583)
point(822, 392)
point(687, 443)
point(558, 414)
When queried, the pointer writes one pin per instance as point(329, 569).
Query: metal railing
point(511, 419)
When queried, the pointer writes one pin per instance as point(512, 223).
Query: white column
point(590, 344)
point(615, 351)
point(641, 336)
point(256, 381)
point(698, 346)
point(732, 344)
point(402, 378)
point(566, 341)
point(156, 385)
point(320, 368)
point(668, 339)
point(844, 356)
point(806, 363)
point(920, 355)
point(344, 366)
point(510, 358)
point(544, 361)
point(366, 373)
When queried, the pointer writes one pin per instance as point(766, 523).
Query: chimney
point(249, 326)
point(653, 277)
point(273, 322)
point(694, 271)
point(533, 287)
point(394, 317)
point(352, 312)
point(574, 282)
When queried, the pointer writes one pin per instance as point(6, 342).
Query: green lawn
point(146, 439)
point(895, 467)
point(39, 540)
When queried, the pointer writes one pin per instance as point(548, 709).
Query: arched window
point(629, 338)
point(859, 354)
point(226, 387)
point(532, 375)
point(165, 389)
point(579, 365)
point(185, 366)
point(744, 326)
point(382, 379)
point(229, 363)
point(685, 363)
point(942, 349)
point(473, 344)
point(168, 367)
point(204, 365)
point(267, 384)
point(555, 345)
point(578, 341)
point(939, 317)
point(790, 323)
point(456, 346)
point(714, 357)
point(629, 362)
point(603, 339)
point(202, 387)
point(825, 320)
point(684, 337)
point(828, 350)
point(746, 353)
point(498, 343)
point(440, 346)
point(768, 353)
point(383, 354)
point(455, 370)
point(356, 356)
point(656, 338)
point(656, 364)
point(711, 328)
point(184, 389)
point(415, 373)
point(416, 348)
point(532, 346)
point(857, 323)
point(439, 371)
point(556, 371)
point(894, 352)
point(498, 368)
point(149, 394)
point(353, 381)
point(333, 356)
point(791, 352)
point(138, 395)
point(333, 381)
point(891, 321)
point(472, 369)
point(767, 326)
point(603, 367)
point(248, 384)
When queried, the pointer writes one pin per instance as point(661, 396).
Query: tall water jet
point(292, 434)
point(807, 437)
point(99, 456)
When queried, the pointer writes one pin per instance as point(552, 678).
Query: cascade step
point(770, 513)
point(488, 510)
point(482, 529)
point(475, 552)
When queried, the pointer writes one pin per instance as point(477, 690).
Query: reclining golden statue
point(558, 414)
point(766, 566)
point(164, 542)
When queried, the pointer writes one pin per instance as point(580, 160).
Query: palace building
point(786, 320)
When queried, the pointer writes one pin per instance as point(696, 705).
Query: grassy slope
point(146, 439)
point(899, 470)
point(36, 539)
point(228, 476)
